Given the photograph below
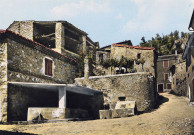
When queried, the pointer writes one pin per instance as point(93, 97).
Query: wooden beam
point(73, 39)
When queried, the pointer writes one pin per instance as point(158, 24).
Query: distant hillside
point(167, 44)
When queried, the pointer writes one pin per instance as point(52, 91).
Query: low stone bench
point(122, 109)
point(52, 113)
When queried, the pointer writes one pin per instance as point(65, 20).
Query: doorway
point(160, 87)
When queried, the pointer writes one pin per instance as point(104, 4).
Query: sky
point(105, 21)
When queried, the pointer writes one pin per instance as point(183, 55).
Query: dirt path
point(174, 116)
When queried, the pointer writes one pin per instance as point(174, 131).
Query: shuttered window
point(168, 86)
point(165, 63)
point(48, 67)
point(166, 76)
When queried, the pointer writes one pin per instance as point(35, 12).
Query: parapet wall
point(138, 87)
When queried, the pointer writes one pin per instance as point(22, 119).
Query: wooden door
point(160, 87)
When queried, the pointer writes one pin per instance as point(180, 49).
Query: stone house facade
point(37, 63)
point(189, 56)
point(165, 64)
point(178, 71)
point(147, 54)
point(103, 53)
point(60, 36)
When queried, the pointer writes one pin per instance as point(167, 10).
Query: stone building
point(178, 72)
point(38, 62)
point(139, 87)
point(189, 56)
point(165, 71)
point(145, 54)
point(103, 53)
point(60, 36)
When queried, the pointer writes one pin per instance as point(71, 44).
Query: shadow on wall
point(3, 132)
point(161, 100)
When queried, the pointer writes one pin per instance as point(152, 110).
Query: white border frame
point(163, 63)
point(44, 66)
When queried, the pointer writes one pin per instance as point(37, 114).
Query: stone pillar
point(86, 68)
point(59, 37)
point(62, 97)
point(84, 45)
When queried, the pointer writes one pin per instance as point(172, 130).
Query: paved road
point(174, 116)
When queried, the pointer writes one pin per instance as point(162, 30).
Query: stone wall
point(26, 64)
point(137, 87)
point(3, 81)
point(24, 28)
point(179, 79)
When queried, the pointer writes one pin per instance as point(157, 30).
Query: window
point(165, 76)
point(138, 55)
point(48, 67)
point(121, 98)
point(101, 58)
point(168, 86)
point(165, 63)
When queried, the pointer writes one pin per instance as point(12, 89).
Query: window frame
point(165, 76)
point(164, 61)
point(138, 55)
point(44, 66)
point(167, 86)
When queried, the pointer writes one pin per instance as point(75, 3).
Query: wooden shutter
point(168, 86)
point(48, 67)
point(165, 77)
point(165, 63)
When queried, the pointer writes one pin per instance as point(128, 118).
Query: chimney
point(175, 52)
point(59, 37)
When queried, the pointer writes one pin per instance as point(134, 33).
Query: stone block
point(118, 113)
point(125, 104)
point(35, 113)
point(105, 114)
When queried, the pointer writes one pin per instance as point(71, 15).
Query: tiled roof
point(9, 31)
point(2, 31)
point(135, 47)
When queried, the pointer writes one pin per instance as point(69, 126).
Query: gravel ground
point(173, 117)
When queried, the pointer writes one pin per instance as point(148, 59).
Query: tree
point(164, 44)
